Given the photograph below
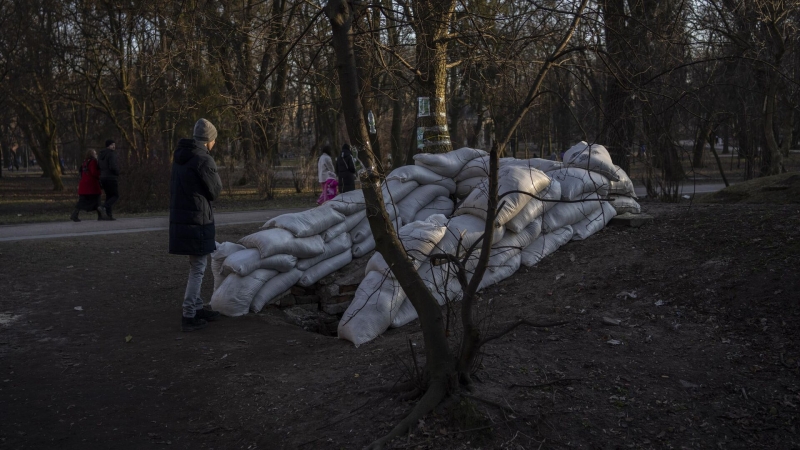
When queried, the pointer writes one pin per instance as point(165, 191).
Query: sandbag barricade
point(302, 248)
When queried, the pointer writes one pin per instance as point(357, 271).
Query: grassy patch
point(29, 198)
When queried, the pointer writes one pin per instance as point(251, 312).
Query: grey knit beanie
point(204, 131)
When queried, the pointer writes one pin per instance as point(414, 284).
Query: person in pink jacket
point(327, 176)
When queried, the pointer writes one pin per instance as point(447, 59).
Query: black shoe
point(74, 216)
point(102, 214)
point(206, 314)
point(192, 324)
point(111, 218)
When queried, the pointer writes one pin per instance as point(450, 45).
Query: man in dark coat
point(109, 178)
point(195, 183)
point(346, 170)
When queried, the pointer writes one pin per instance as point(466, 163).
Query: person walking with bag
point(346, 169)
point(109, 177)
point(194, 184)
point(326, 176)
point(88, 188)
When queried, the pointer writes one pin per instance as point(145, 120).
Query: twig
point(511, 328)
point(549, 383)
point(490, 403)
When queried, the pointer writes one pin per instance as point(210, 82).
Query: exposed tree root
point(436, 392)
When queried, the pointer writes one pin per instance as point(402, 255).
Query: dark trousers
point(111, 188)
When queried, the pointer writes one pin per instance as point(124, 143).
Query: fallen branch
point(513, 326)
point(549, 383)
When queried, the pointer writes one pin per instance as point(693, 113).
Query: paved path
point(689, 189)
point(89, 227)
point(52, 230)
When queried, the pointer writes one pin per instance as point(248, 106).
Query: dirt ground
point(704, 356)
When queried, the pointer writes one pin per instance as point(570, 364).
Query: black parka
point(346, 171)
point(195, 183)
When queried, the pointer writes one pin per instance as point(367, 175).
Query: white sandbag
point(594, 223)
point(499, 258)
point(376, 302)
point(307, 223)
point(441, 281)
point(277, 241)
point(395, 190)
point(244, 262)
point(325, 268)
point(575, 182)
point(564, 214)
point(352, 220)
point(510, 179)
point(466, 186)
point(281, 263)
point(468, 229)
point(535, 208)
point(439, 205)
point(347, 203)
point(423, 176)
point(545, 165)
point(364, 247)
point(336, 246)
point(476, 168)
point(500, 273)
point(234, 295)
point(335, 231)
point(377, 263)
point(545, 245)
point(273, 288)
point(591, 157)
point(624, 205)
point(519, 240)
point(420, 238)
point(406, 314)
point(361, 232)
point(448, 164)
point(418, 199)
point(624, 186)
point(218, 258)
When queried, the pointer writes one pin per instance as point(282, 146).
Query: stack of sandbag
point(302, 248)
point(546, 204)
point(379, 296)
point(624, 195)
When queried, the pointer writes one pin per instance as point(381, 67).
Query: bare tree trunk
point(772, 158)
point(702, 135)
point(439, 362)
point(432, 27)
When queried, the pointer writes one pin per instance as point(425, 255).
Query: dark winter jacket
point(90, 178)
point(346, 171)
point(109, 164)
point(193, 186)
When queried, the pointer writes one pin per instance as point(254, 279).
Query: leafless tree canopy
point(636, 74)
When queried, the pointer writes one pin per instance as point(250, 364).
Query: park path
point(52, 230)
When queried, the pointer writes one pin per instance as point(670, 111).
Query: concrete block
point(313, 307)
point(335, 308)
point(305, 299)
point(631, 220)
point(288, 300)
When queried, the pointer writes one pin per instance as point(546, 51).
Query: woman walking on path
point(89, 188)
point(346, 169)
point(326, 175)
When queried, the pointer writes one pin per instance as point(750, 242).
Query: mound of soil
point(774, 190)
point(681, 334)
